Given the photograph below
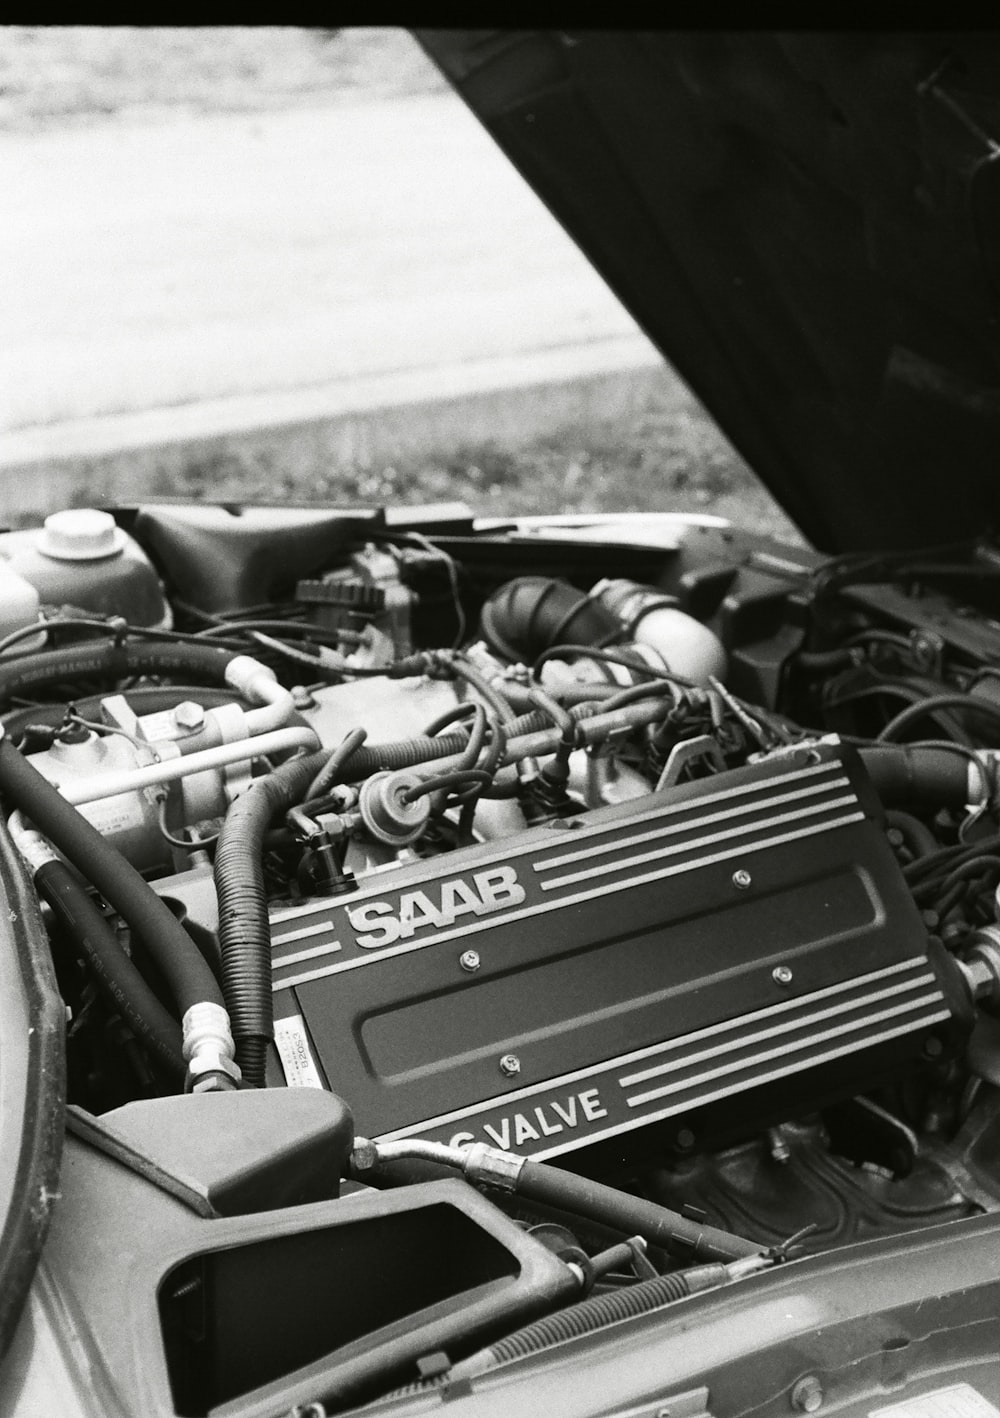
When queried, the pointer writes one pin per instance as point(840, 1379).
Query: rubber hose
point(631, 1214)
point(519, 695)
point(587, 1316)
point(244, 928)
point(529, 734)
point(330, 771)
point(824, 661)
point(527, 615)
point(109, 659)
point(916, 834)
point(116, 976)
point(913, 778)
point(406, 753)
point(144, 699)
point(184, 969)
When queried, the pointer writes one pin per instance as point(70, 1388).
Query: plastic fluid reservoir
point(685, 646)
point(19, 603)
point(82, 558)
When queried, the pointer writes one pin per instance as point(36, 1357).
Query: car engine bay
point(660, 850)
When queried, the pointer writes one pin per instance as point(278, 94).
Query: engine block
point(704, 958)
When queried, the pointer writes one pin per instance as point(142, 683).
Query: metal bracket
point(683, 755)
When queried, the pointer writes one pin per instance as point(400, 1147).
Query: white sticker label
point(956, 1401)
point(292, 1043)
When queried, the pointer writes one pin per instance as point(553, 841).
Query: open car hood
point(807, 227)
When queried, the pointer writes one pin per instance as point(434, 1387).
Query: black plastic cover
point(705, 957)
point(247, 1150)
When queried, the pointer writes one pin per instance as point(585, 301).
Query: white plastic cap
point(81, 534)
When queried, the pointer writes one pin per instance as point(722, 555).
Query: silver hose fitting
point(35, 849)
point(480, 1164)
point(209, 1049)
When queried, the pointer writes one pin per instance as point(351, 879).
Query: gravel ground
point(670, 457)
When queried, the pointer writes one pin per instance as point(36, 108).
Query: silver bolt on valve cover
point(781, 975)
point(510, 1065)
point(742, 880)
point(807, 1395)
point(189, 716)
point(469, 960)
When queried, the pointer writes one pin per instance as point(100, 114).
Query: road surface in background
point(150, 264)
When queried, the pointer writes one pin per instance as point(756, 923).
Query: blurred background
point(288, 263)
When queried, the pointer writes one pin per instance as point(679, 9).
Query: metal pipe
point(130, 780)
point(258, 684)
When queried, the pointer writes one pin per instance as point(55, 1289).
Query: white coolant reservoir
point(685, 646)
point(19, 603)
point(82, 558)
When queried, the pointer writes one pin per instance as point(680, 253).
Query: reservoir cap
point(81, 534)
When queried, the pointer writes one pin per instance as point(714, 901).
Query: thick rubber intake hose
point(244, 928)
point(669, 1230)
point(528, 615)
point(912, 777)
point(107, 659)
point(117, 978)
point(185, 971)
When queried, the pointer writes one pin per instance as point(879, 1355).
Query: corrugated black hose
point(244, 929)
point(584, 1318)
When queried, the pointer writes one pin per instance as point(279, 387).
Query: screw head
point(510, 1065)
point(189, 716)
point(469, 960)
point(781, 975)
point(807, 1395)
point(742, 880)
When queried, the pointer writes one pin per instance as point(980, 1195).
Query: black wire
point(301, 629)
point(913, 697)
point(502, 707)
point(949, 857)
point(451, 566)
point(337, 761)
point(906, 717)
point(593, 652)
point(460, 778)
point(460, 711)
point(654, 689)
point(561, 717)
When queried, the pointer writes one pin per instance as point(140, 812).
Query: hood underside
point(807, 226)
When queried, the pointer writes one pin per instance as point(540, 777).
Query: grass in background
point(669, 457)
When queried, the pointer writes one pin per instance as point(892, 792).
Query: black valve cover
point(699, 959)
